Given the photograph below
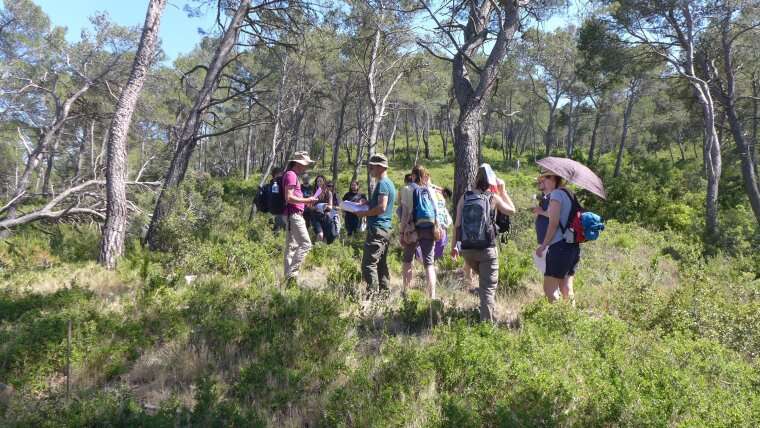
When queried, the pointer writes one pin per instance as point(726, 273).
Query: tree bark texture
point(592, 147)
point(335, 166)
point(632, 94)
point(187, 139)
point(115, 226)
point(472, 100)
point(727, 94)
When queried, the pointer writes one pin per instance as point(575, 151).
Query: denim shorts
point(562, 259)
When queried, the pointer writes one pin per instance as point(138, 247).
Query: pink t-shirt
point(291, 179)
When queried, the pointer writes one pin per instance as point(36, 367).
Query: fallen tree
point(76, 200)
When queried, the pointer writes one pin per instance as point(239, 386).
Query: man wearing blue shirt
point(374, 260)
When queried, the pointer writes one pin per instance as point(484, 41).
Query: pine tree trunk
point(46, 188)
point(713, 161)
point(187, 140)
point(338, 134)
point(426, 132)
point(406, 132)
point(755, 119)
point(749, 178)
point(570, 142)
point(549, 138)
point(248, 145)
point(592, 146)
point(114, 229)
point(392, 136)
point(626, 120)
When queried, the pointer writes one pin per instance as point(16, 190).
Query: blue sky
point(179, 33)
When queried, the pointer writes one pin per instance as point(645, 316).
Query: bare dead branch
point(24, 141)
point(12, 201)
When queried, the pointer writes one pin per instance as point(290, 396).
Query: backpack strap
point(419, 188)
point(574, 208)
point(413, 218)
point(492, 213)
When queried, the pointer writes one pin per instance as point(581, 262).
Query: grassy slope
point(659, 337)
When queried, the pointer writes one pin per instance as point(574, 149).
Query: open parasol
point(576, 173)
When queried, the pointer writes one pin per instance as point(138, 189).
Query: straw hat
point(379, 160)
point(545, 173)
point(302, 158)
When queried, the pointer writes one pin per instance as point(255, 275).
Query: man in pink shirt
point(297, 241)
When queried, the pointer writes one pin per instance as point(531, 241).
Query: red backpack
point(573, 232)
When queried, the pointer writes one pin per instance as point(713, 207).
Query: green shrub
point(514, 267)
point(417, 312)
point(675, 216)
point(300, 340)
point(566, 368)
point(76, 244)
point(344, 275)
point(235, 255)
point(196, 206)
point(389, 390)
point(25, 250)
point(715, 302)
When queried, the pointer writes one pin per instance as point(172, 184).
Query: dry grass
point(90, 276)
point(169, 370)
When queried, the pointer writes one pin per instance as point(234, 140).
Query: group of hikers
point(424, 220)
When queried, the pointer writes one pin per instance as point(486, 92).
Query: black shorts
point(562, 259)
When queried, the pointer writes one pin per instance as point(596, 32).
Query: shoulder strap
point(573, 208)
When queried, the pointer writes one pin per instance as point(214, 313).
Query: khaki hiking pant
point(486, 263)
point(297, 244)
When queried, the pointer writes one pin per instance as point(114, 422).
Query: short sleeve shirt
point(354, 197)
point(382, 220)
point(542, 222)
point(566, 204)
point(291, 179)
point(407, 196)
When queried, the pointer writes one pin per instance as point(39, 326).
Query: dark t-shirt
point(542, 222)
point(354, 197)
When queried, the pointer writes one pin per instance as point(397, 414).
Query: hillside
point(207, 334)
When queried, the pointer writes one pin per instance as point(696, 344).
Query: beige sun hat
point(302, 158)
point(379, 159)
point(545, 173)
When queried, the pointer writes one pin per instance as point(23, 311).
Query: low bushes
point(563, 368)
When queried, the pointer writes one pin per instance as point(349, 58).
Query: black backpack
point(261, 200)
point(276, 196)
point(478, 227)
point(503, 225)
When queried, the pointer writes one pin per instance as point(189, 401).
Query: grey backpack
point(477, 222)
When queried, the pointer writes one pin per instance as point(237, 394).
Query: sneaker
point(475, 290)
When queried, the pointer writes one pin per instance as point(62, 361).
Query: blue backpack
point(423, 211)
point(582, 225)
